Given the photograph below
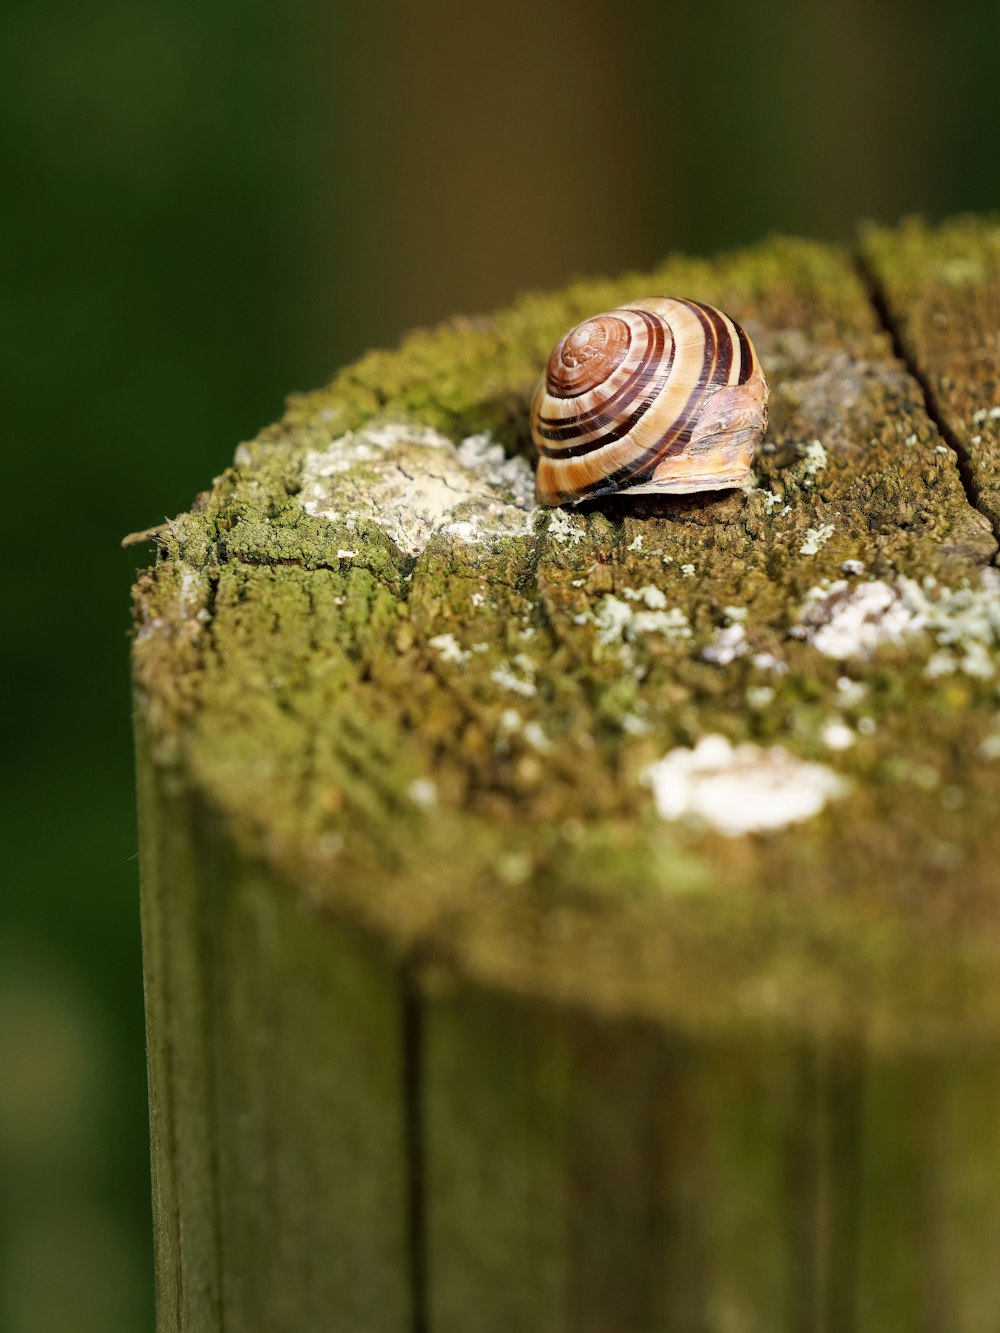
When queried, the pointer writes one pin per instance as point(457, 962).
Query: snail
point(662, 396)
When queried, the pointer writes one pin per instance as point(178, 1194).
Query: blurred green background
point(207, 204)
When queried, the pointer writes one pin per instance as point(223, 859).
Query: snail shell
point(661, 396)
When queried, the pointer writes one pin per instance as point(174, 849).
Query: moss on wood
point(485, 690)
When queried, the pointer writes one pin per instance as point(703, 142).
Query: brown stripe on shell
point(746, 356)
point(723, 346)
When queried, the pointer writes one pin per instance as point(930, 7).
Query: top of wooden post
point(719, 760)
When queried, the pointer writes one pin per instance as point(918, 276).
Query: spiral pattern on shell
point(663, 395)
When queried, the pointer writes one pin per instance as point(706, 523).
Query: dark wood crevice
point(893, 326)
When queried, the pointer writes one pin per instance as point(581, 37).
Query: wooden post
point(566, 921)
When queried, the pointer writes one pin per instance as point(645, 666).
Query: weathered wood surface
point(474, 1002)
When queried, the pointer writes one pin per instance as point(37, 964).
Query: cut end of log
point(715, 761)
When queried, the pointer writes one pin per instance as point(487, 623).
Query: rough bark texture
point(453, 980)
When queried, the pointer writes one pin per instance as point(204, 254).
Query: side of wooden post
point(593, 1179)
point(277, 1092)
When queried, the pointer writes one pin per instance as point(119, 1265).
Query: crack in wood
point(890, 325)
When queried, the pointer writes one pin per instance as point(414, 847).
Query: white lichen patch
point(510, 723)
point(837, 735)
point(566, 529)
point(507, 680)
point(613, 619)
point(728, 644)
point(189, 615)
point(740, 789)
point(814, 458)
point(974, 660)
point(617, 622)
point(536, 737)
point(760, 696)
point(770, 498)
point(842, 623)
point(414, 483)
point(191, 597)
point(851, 692)
point(651, 597)
point(449, 648)
point(423, 792)
point(634, 725)
point(963, 622)
point(767, 661)
point(518, 676)
point(816, 538)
